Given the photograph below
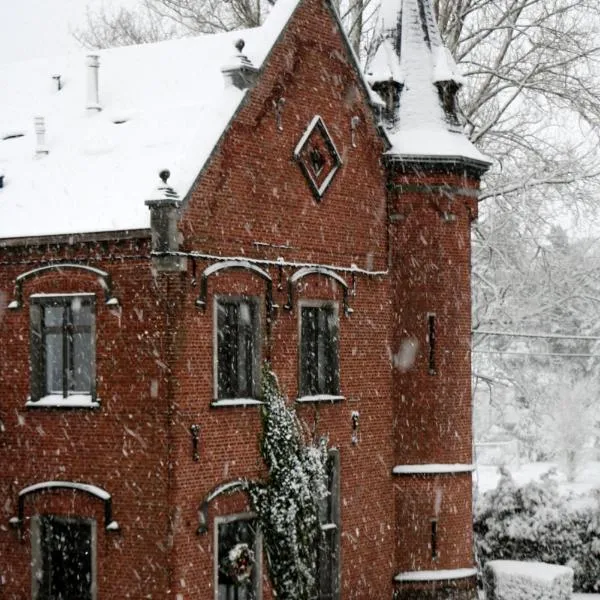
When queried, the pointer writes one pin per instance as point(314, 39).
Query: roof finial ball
point(164, 175)
point(239, 45)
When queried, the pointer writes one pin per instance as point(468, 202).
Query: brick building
point(306, 213)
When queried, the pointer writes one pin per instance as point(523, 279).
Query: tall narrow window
point(238, 559)
point(431, 340)
point(63, 551)
point(434, 539)
point(329, 551)
point(237, 348)
point(319, 374)
point(62, 346)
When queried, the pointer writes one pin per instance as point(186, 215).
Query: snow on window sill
point(57, 401)
point(236, 402)
point(433, 469)
point(442, 575)
point(320, 398)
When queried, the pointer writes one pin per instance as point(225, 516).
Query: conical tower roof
point(412, 59)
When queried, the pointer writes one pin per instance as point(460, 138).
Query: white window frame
point(215, 348)
point(245, 516)
point(38, 378)
point(319, 397)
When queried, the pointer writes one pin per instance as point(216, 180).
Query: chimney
point(240, 73)
point(40, 134)
point(93, 98)
point(165, 206)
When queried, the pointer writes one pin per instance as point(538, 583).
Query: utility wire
point(516, 353)
point(549, 336)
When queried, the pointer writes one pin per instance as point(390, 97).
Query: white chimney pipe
point(40, 134)
point(93, 98)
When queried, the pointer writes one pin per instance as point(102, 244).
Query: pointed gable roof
point(411, 53)
point(163, 106)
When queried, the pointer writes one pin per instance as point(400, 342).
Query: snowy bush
point(536, 523)
point(514, 580)
point(287, 504)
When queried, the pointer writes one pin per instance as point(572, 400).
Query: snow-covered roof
point(411, 52)
point(164, 106)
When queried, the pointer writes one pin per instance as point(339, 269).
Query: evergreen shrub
point(536, 523)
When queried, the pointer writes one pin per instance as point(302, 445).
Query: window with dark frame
point(239, 558)
point(237, 348)
point(64, 556)
point(434, 539)
point(329, 551)
point(62, 346)
point(319, 371)
point(431, 340)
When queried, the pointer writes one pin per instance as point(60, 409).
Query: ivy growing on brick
point(287, 503)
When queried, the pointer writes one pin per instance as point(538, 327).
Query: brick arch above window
point(109, 523)
point(235, 264)
point(103, 276)
point(316, 270)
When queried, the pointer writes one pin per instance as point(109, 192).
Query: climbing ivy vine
point(287, 503)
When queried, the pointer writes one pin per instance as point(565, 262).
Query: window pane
point(232, 536)
point(66, 559)
point(81, 374)
point(53, 316)
point(246, 350)
point(54, 366)
point(319, 343)
point(330, 343)
point(309, 352)
point(227, 350)
point(81, 312)
point(237, 347)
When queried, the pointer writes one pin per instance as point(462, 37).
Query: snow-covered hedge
point(535, 523)
point(515, 580)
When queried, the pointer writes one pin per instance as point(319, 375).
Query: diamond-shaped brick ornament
point(317, 156)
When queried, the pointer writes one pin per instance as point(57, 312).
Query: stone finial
point(240, 72)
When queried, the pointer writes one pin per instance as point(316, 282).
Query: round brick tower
point(433, 179)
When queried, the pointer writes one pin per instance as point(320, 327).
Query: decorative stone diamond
point(317, 156)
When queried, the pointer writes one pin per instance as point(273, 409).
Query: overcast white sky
point(33, 28)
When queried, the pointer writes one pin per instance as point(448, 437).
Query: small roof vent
point(40, 134)
point(93, 93)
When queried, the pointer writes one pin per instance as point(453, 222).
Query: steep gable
point(255, 192)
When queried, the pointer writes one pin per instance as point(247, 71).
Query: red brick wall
point(430, 242)
point(120, 447)
point(138, 444)
point(254, 191)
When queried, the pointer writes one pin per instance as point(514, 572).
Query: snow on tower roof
point(163, 106)
point(412, 53)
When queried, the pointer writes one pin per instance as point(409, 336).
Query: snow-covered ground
point(587, 479)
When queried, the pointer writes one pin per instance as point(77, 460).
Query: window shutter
point(36, 352)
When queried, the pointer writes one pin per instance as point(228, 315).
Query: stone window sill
point(58, 401)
